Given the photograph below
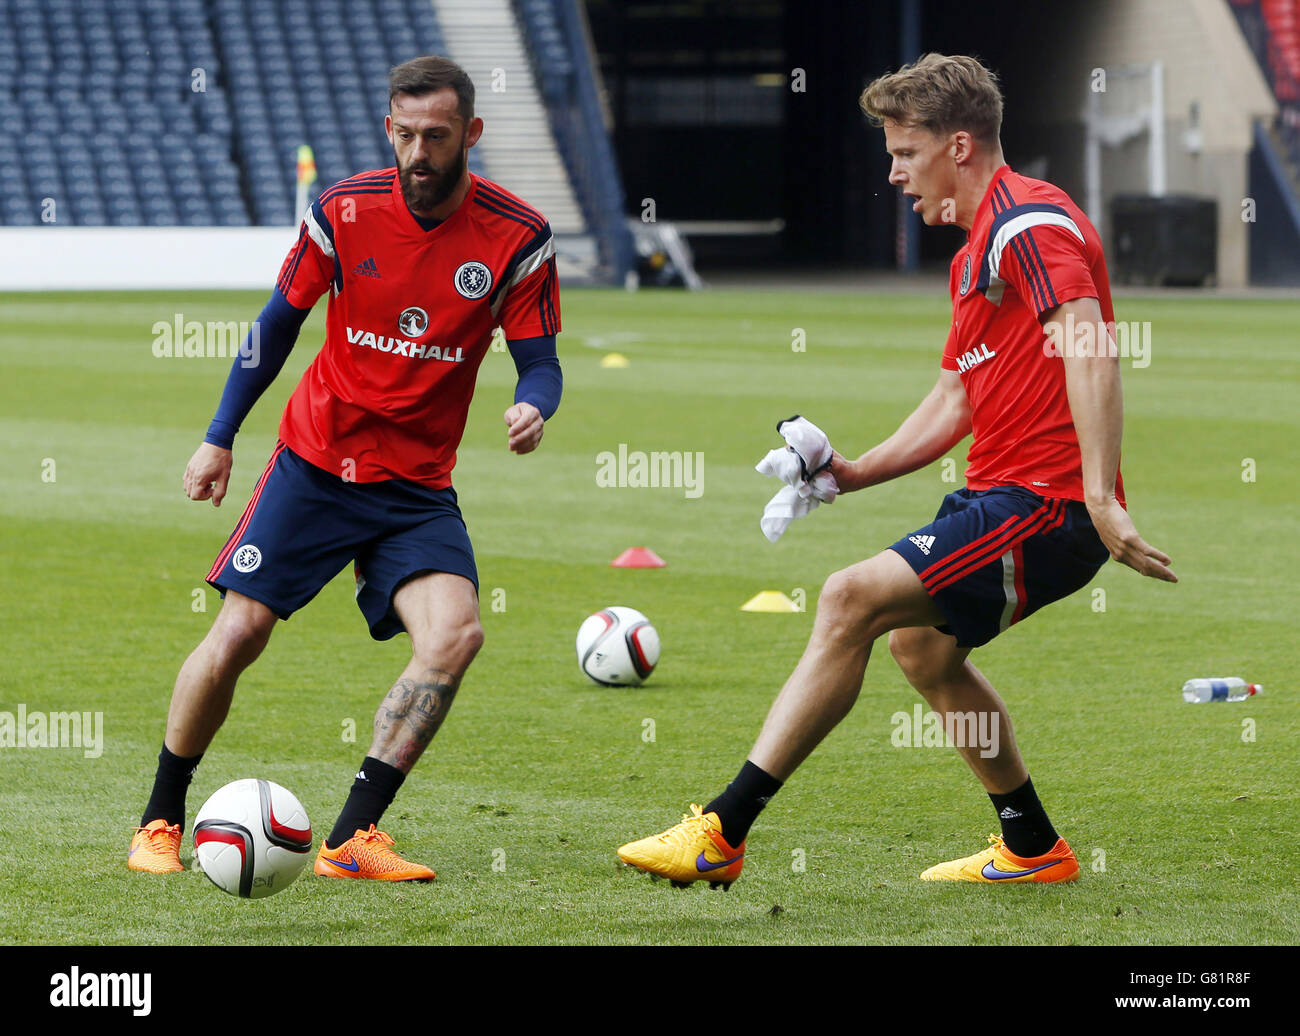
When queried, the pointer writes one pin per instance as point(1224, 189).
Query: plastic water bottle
point(1219, 688)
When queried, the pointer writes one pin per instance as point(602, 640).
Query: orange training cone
point(638, 557)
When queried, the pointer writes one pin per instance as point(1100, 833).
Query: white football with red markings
point(252, 838)
point(618, 647)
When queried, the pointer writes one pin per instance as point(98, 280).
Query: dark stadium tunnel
point(699, 128)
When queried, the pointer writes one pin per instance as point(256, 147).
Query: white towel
point(782, 463)
point(808, 441)
point(803, 466)
point(781, 510)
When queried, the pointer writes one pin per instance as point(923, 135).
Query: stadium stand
point(1272, 28)
point(518, 147)
point(116, 79)
point(564, 63)
point(314, 71)
point(191, 112)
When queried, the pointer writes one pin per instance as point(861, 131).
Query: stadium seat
point(276, 74)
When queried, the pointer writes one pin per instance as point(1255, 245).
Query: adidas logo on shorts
point(923, 543)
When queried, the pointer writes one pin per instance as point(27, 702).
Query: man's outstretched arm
point(940, 422)
point(1097, 406)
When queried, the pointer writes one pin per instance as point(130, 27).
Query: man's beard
point(424, 196)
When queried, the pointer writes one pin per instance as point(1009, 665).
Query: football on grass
point(618, 647)
point(251, 838)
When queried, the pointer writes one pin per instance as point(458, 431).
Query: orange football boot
point(156, 848)
point(367, 854)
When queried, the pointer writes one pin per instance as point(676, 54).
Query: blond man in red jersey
point(1042, 510)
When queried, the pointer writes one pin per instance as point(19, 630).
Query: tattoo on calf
point(411, 714)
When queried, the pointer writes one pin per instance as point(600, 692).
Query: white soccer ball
point(618, 647)
point(251, 838)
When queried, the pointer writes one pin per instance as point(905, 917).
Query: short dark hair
point(427, 75)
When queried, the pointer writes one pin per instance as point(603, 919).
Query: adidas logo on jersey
point(367, 269)
point(923, 543)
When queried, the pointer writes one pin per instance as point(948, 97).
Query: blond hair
point(940, 93)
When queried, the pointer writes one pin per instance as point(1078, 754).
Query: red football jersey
point(411, 316)
point(1030, 248)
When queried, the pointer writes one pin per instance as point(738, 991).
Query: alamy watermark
point(1131, 339)
point(225, 339)
point(922, 729)
point(637, 469)
point(23, 729)
point(75, 988)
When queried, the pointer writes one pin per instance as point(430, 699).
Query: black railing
point(556, 39)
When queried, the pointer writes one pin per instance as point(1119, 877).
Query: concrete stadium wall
point(51, 258)
point(1207, 64)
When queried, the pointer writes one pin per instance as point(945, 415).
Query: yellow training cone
point(769, 601)
point(617, 360)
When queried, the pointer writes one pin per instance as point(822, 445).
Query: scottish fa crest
point(473, 279)
point(965, 276)
point(247, 558)
point(413, 322)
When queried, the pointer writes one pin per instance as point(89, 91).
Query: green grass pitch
point(1182, 816)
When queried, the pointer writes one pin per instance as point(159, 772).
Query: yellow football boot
point(693, 850)
point(998, 864)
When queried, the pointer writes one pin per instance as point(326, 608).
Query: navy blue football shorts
point(992, 557)
point(303, 525)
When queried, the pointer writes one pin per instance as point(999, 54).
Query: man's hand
point(1121, 538)
point(524, 423)
point(845, 472)
point(208, 473)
